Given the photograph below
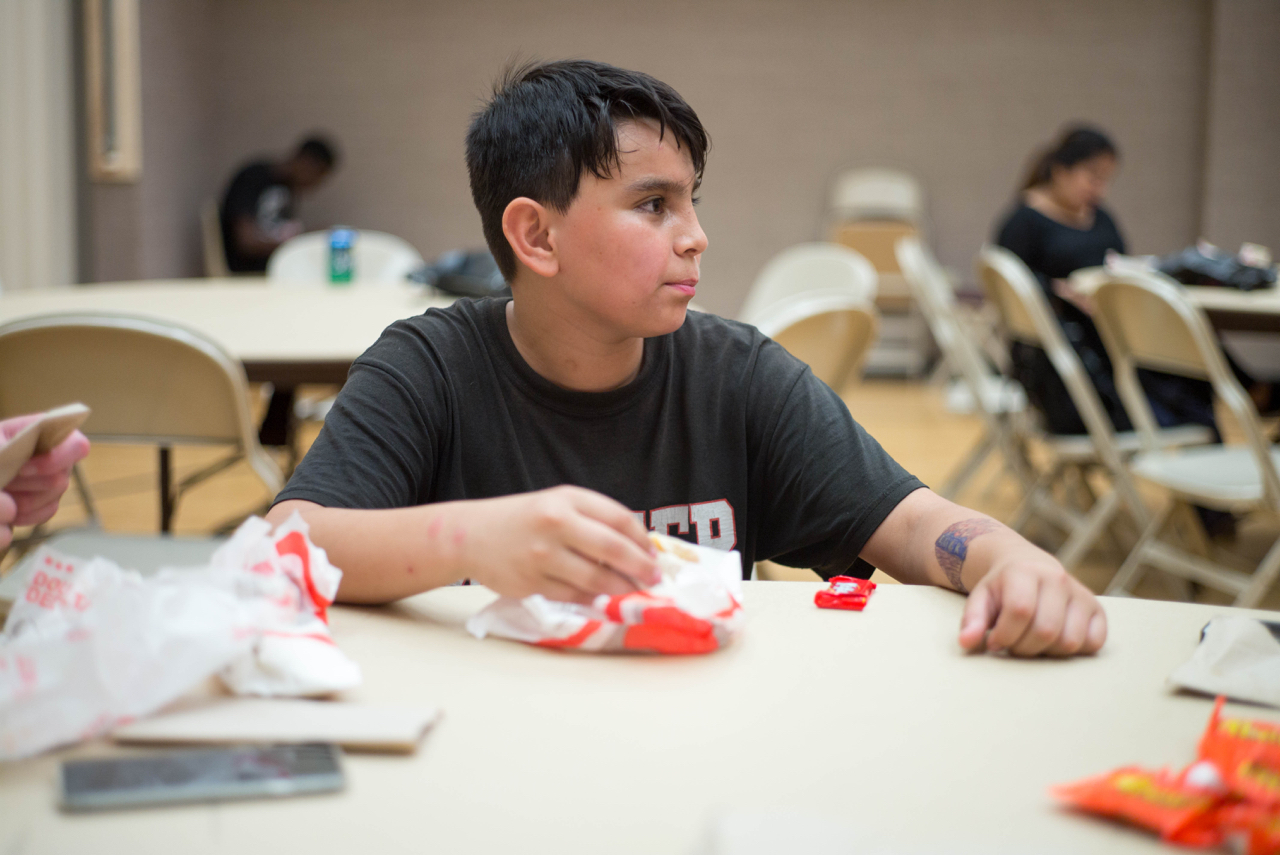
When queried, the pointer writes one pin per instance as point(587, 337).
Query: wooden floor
point(908, 418)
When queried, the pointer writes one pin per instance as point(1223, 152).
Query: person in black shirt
point(257, 210)
point(257, 215)
point(529, 444)
point(1059, 226)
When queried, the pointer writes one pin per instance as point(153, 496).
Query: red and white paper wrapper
point(696, 608)
point(91, 646)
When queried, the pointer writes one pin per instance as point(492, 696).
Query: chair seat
point(1218, 476)
point(999, 395)
point(1080, 446)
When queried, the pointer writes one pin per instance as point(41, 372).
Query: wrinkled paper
point(91, 645)
point(1237, 657)
point(696, 608)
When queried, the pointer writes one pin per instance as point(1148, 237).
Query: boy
point(448, 454)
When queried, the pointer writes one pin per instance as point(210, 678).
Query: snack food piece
point(673, 555)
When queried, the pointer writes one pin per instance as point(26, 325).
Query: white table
point(1227, 308)
point(283, 334)
point(875, 719)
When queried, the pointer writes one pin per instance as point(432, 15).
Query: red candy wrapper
point(1258, 825)
point(1158, 801)
point(845, 592)
point(696, 608)
point(1247, 752)
point(1231, 793)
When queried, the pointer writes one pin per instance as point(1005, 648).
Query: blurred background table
point(285, 335)
point(1246, 311)
point(1227, 308)
point(875, 720)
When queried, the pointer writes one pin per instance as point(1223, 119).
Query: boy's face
point(629, 245)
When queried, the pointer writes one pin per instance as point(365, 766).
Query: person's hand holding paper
point(31, 497)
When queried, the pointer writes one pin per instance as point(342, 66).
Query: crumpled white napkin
point(91, 645)
point(1237, 657)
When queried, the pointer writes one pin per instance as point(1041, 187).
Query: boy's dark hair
point(320, 149)
point(548, 123)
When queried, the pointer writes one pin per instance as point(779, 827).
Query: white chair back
point(377, 258)
point(876, 194)
point(831, 333)
point(814, 269)
point(1146, 321)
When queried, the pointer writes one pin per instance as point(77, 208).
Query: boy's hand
point(32, 496)
point(566, 543)
point(1032, 607)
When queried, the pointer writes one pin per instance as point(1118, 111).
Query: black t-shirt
point(1054, 250)
point(255, 191)
point(723, 438)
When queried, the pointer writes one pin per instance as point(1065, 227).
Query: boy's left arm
point(1030, 604)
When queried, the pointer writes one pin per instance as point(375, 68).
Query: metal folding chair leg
point(1086, 535)
point(1128, 573)
point(1263, 577)
point(1039, 494)
point(969, 468)
point(86, 497)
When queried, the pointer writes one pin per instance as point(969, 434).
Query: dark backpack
point(464, 274)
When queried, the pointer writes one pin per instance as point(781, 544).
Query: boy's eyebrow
point(656, 184)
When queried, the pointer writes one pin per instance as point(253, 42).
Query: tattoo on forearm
point(952, 546)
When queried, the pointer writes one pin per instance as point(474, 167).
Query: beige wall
point(1242, 189)
point(957, 91)
point(37, 150)
point(149, 229)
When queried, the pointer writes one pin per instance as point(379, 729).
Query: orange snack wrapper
point(1231, 793)
point(1258, 825)
point(1158, 801)
point(1248, 754)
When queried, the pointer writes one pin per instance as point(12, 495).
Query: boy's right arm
point(566, 543)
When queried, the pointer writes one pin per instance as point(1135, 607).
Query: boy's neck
point(569, 350)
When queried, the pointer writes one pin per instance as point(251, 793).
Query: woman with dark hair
point(1057, 227)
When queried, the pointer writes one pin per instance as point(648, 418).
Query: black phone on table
point(201, 775)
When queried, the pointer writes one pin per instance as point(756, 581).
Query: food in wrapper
point(91, 645)
point(696, 608)
point(1258, 825)
point(1231, 793)
point(1153, 800)
point(1247, 752)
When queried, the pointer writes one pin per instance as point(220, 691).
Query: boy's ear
point(527, 226)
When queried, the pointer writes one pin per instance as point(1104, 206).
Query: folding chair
point(831, 333)
point(1146, 321)
point(816, 300)
point(1026, 317)
point(876, 194)
point(809, 268)
point(999, 400)
point(869, 211)
point(146, 382)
